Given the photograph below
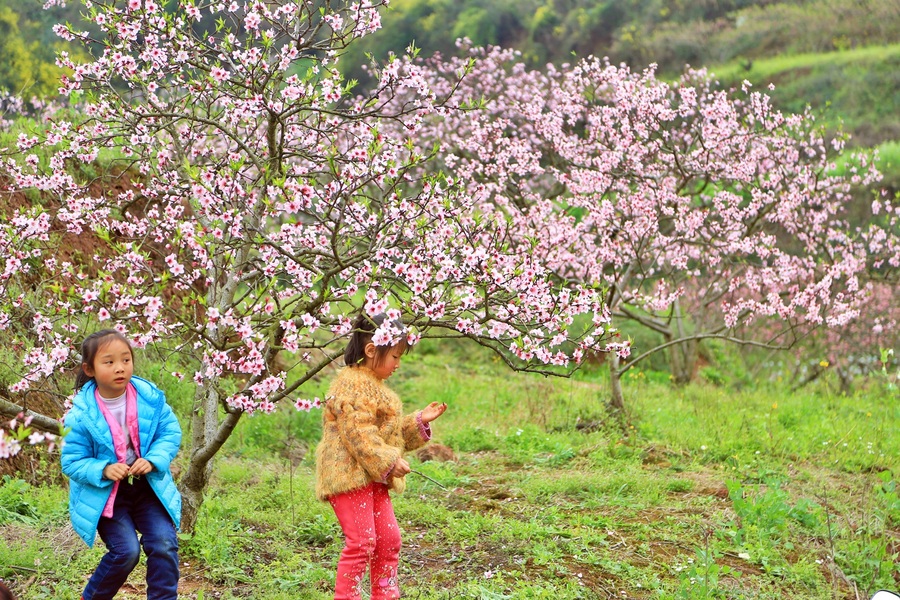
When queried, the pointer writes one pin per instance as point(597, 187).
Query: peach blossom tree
point(704, 212)
point(260, 206)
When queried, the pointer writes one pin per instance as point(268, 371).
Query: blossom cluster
point(20, 432)
point(680, 198)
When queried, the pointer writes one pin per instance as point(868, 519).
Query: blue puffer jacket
point(88, 448)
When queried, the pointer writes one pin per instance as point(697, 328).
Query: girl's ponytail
point(81, 378)
point(363, 330)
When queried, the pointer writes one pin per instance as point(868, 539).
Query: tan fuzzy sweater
point(364, 432)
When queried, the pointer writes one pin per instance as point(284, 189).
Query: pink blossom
point(8, 446)
point(219, 74)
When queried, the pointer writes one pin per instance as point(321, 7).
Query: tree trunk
point(11, 410)
point(616, 398)
point(683, 361)
point(207, 437)
point(682, 357)
point(846, 381)
point(192, 485)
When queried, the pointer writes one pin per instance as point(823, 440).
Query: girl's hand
point(116, 471)
point(401, 468)
point(433, 411)
point(141, 466)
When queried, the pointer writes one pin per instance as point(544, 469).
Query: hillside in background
point(638, 32)
point(836, 55)
point(28, 47)
point(841, 57)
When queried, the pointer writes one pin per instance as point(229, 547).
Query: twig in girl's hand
point(18, 568)
point(428, 478)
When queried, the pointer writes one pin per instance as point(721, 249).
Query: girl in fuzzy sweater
point(360, 456)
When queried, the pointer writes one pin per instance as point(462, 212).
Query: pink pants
point(371, 535)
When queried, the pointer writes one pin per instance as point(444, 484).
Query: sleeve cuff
point(155, 462)
point(424, 428)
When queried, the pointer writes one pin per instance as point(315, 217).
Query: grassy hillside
point(859, 87)
point(638, 32)
point(839, 56)
point(709, 493)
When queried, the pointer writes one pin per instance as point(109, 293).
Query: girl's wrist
point(424, 427)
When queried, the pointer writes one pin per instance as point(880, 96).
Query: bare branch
point(44, 423)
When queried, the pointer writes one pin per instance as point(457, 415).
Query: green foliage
point(869, 561)
point(888, 496)
point(544, 21)
point(867, 556)
point(713, 376)
point(14, 505)
point(766, 511)
point(28, 49)
point(37, 545)
point(474, 440)
point(476, 24)
point(755, 31)
point(179, 390)
point(21, 501)
point(531, 444)
point(278, 432)
point(8, 362)
point(701, 576)
point(318, 531)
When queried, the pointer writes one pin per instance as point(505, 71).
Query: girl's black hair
point(5, 593)
point(89, 348)
point(363, 329)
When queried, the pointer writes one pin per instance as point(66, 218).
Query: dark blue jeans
point(137, 509)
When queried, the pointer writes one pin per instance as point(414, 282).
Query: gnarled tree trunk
point(208, 435)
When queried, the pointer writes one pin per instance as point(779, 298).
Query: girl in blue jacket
point(122, 438)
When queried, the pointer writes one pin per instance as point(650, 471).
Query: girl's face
point(112, 368)
point(389, 362)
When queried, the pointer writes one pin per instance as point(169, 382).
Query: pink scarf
point(119, 442)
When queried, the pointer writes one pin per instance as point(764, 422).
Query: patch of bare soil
point(442, 565)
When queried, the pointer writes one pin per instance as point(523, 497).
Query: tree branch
point(699, 336)
point(647, 322)
point(205, 454)
point(38, 421)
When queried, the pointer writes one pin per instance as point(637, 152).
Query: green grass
point(710, 492)
point(110, 162)
point(766, 68)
